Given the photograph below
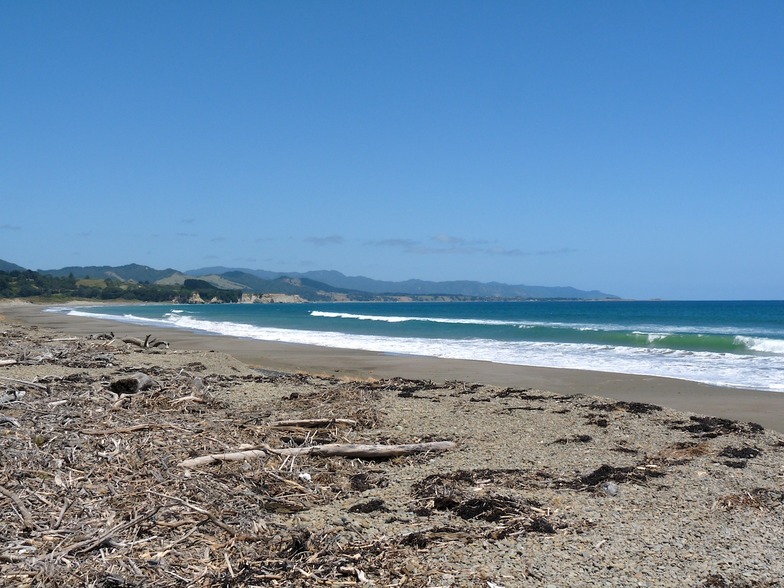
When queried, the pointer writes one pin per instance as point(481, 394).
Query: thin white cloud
point(562, 251)
point(443, 244)
point(454, 241)
point(403, 243)
point(328, 240)
point(505, 252)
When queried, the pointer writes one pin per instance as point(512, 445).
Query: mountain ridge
point(320, 284)
point(418, 287)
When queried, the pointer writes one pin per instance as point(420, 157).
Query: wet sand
point(765, 408)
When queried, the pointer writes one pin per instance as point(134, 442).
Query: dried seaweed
point(740, 452)
point(475, 496)
point(606, 473)
point(572, 439)
point(372, 505)
point(631, 407)
point(758, 498)
point(712, 427)
point(526, 394)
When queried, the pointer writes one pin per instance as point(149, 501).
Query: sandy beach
point(217, 473)
point(765, 408)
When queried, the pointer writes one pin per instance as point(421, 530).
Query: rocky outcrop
point(195, 298)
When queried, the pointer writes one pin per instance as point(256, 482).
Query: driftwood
point(330, 450)
point(132, 384)
point(105, 538)
point(7, 362)
point(129, 429)
point(27, 517)
point(7, 420)
point(25, 383)
point(11, 396)
point(149, 341)
point(312, 423)
point(214, 519)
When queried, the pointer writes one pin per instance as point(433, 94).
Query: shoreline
point(762, 407)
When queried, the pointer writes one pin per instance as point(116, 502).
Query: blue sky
point(630, 147)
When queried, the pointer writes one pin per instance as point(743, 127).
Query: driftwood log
point(312, 423)
point(330, 450)
point(149, 341)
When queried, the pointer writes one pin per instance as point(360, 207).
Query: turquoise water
point(738, 344)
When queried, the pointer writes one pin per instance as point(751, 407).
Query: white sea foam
point(126, 318)
point(743, 371)
point(762, 344)
point(655, 332)
point(402, 319)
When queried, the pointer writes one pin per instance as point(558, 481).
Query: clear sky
point(631, 147)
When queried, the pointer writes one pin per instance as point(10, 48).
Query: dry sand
point(543, 488)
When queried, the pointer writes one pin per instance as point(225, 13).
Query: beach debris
point(372, 505)
point(133, 383)
point(102, 336)
point(639, 408)
point(25, 514)
point(709, 427)
point(94, 496)
point(312, 423)
point(758, 498)
point(12, 396)
point(422, 539)
point(7, 420)
point(610, 488)
point(572, 439)
point(474, 496)
point(607, 473)
point(740, 452)
point(406, 388)
point(35, 385)
point(352, 450)
point(148, 342)
point(682, 452)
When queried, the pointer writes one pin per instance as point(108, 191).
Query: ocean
point(737, 344)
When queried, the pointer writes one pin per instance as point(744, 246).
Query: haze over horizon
point(630, 148)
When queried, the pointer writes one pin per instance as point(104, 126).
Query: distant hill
point(7, 266)
point(324, 284)
point(131, 272)
point(304, 287)
point(415, 287)
point(179, 278)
